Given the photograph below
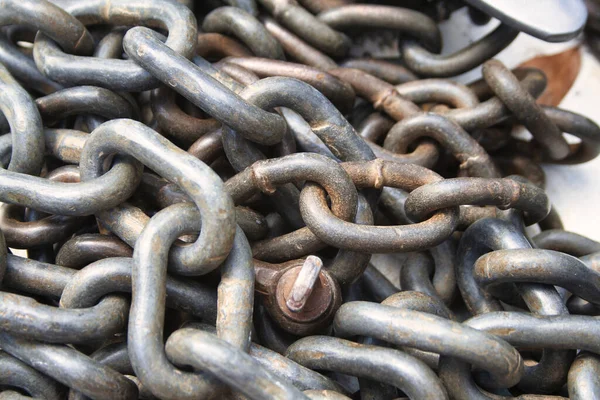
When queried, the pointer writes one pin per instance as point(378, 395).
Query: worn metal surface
point(200, 188)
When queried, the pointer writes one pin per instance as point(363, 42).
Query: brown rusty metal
point(203, 191)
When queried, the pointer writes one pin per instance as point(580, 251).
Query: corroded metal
point(200, 189)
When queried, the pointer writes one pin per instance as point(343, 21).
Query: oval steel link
point(203, 191)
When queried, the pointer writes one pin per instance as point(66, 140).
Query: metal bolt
point(304, 284)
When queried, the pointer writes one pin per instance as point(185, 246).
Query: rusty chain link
point(200, 186)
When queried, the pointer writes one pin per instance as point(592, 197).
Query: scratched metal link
point(196, 195)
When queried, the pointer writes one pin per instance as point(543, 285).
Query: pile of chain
point(200, 189)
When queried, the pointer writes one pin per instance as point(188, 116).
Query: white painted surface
point(552, 20)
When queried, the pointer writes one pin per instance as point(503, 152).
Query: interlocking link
point(202, 190)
